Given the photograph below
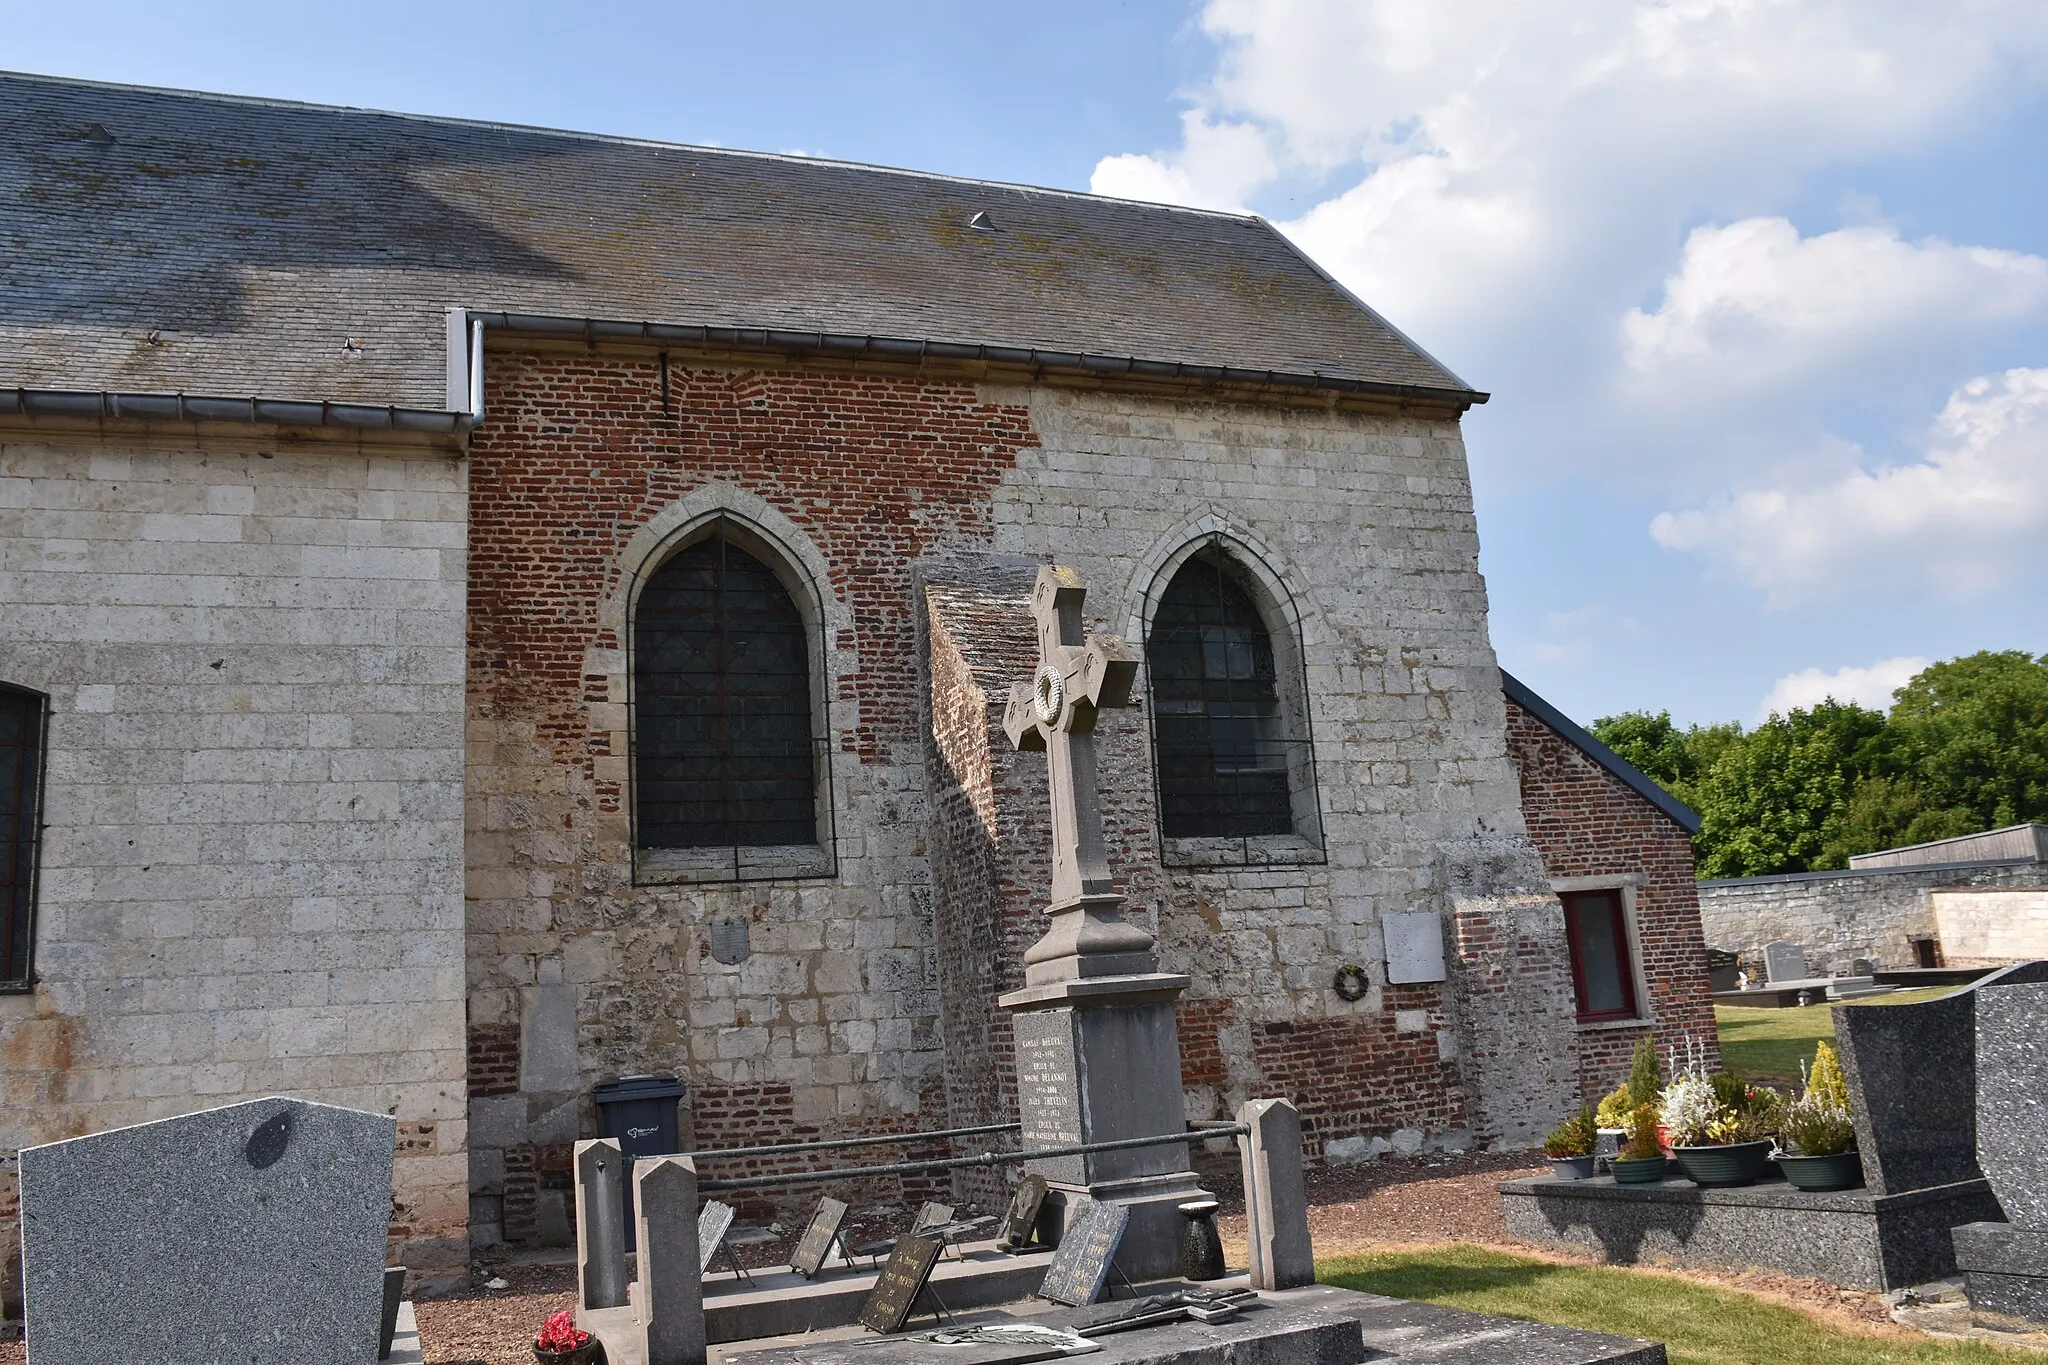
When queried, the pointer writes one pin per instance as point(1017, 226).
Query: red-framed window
point(1603, 967)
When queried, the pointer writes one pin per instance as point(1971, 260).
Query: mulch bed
point(1384, 1205)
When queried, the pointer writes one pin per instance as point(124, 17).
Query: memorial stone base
point(2005, 1273)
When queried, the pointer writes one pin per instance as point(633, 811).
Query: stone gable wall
point(1589, 823)
point(251, 868)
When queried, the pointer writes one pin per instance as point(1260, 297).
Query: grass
point(1700, 1324)
point(1769, 1044)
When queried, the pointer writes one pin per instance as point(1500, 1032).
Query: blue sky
point(1760, 287)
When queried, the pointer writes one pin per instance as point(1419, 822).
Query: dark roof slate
point(1577, 736)
point(159, 242)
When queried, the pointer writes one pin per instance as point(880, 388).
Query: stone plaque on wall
point(1049, 1091)
point(1415, 946)
point(730, 941)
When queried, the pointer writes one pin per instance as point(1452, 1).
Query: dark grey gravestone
point(1784, 961)
point(1912, 1074)
point(1020, 1222)
point(932, 1215)
point(816, 1243)
point(2012, 1099)
point(890, 1303)
point(249, 1232)
point(1080, 1266)
point(1049, 1091)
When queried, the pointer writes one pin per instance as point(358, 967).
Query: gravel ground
point(1381, 1207)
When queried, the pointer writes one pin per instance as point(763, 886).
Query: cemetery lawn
point(1769, 1044)
point(1700, 1323)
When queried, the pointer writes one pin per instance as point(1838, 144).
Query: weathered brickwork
point(251, 874)
point(1838, 917)
point(1591, 825)
point(858, 478)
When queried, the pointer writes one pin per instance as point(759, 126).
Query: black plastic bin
point(639, 1113)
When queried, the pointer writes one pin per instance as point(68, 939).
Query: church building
point(487, 611)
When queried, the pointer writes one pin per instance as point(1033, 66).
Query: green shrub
point(1816, 1127)
point(1730, 1090)
point(1613, 1111)
point(1825, 1079)
point(1576, 1136)
point(1645, 1078)
point(1643, 1141)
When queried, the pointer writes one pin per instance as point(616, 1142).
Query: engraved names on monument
point(816, 1244)
point(1048, 1092)
point(1081, 1265)
point(890, 1302)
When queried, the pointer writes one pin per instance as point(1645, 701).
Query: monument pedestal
point(1098, 1060)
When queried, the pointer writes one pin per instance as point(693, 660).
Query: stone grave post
point(1098, 1054)
point(671, 1271)
point(252, 1231)
point(1784, 961)
point(600, 1231)
point(1275, 1196)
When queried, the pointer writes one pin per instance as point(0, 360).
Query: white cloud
point(1754, 306)
point(1582, 634)
point(1871, 686)
point(1965, 519)
point(1217, 165)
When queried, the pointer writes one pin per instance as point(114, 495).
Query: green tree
point(1672, 758)
point(1971, 736)
point(1778, 800)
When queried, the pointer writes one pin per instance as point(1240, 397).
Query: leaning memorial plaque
point(1020, 1223)
point(714, 1220)
point(903, 1277)
point(816, 1244)
point(1081, 1264)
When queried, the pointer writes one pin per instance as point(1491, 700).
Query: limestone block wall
point(1841, 916)
point(251, 873)
point(1360, 526)
point(1985, 927)
point(1589, 826)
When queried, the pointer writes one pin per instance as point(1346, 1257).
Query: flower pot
point(1637, 1170)
point(1837, 1171)
point(1606, 1144)
point(1737, 1163)
point(590, 1352)
point(1572, 1167)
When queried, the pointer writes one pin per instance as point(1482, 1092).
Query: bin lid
point(639, 1088)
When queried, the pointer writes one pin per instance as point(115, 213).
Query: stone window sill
point(1257, 850)
point(780, 862)
point(1603, 1025)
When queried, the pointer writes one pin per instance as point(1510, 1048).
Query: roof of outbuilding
point(162, 242)
point(1576, 735)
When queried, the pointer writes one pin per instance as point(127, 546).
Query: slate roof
point(161, 242)
point(1576, 735)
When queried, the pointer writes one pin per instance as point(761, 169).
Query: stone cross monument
point(1098, 1055)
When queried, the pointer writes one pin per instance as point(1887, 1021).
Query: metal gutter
point(190, 407)
point(1579, 738)
point(907, 348)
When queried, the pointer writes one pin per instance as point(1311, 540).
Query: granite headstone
point(714, 1220)
point(252, 1231)
point(1081, 1264)
point(1784, 961)
point(890, 1302)
point(1912, 1076)
point(2012, 1099)
point(1020, 1221)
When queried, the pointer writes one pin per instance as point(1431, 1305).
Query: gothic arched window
point(21, 787)
point(724, 748)
point(1220, 728)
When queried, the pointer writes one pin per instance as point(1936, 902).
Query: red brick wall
point(1587, 822)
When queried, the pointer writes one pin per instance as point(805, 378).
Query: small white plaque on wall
point(1415, 946)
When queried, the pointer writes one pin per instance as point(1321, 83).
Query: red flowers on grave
point(561, 1340)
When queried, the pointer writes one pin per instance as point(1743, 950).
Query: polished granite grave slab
point(1371, 1327)
point(1856, 1238)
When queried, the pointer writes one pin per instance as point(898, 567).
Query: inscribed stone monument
point(253, 1231)
point(2005, 1265)
point(1081, 1265)
point(1098, 1052)
point(1784, 961)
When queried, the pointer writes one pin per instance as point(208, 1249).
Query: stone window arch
point(23, 725)
point(730, 770)
point(1232, 755)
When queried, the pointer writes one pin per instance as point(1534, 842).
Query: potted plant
point(562, 1342)
point(1570, 1146)
point(1641, 1161)
point(1610, 1125)
point(1715, 1143)
point(1818, 1132)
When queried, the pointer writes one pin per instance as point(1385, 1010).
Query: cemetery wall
point(1838, 917)
point(1987, 927)
point(1590, 826)
point(251, 877)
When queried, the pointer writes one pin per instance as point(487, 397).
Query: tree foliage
point(1963, 749)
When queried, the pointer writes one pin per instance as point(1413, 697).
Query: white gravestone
point(253, 1232)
